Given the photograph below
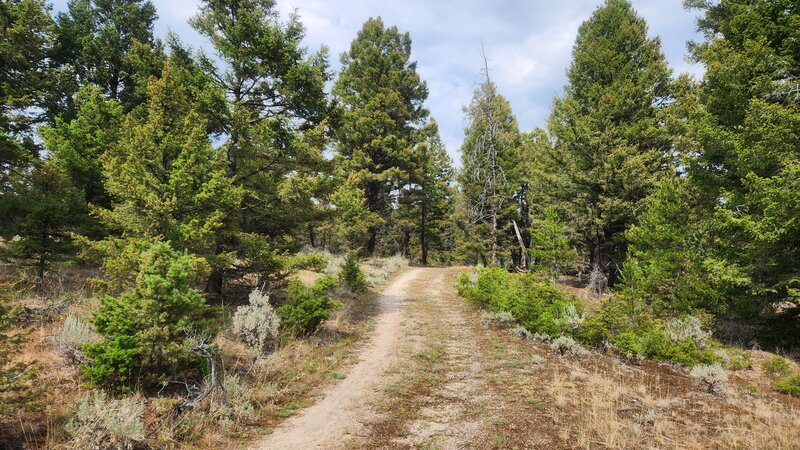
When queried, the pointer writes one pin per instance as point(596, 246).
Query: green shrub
point(741, 361)
point(306, 307)
point(351, 277)
point(777, 365)
point(789, 385)
point(487, 288)
point(147, 329)
point(537, 305)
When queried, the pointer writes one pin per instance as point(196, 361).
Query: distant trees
point(382, 114)
point(489, 176)
point(46, 210)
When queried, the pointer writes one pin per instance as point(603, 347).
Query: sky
point(528, 44)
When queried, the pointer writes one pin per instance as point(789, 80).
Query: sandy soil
point(348, 406)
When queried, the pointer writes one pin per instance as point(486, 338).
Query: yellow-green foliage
point(542, 307)
point(537, 305)
point(306, 307)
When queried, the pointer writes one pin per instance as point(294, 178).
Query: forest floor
point(432, 377)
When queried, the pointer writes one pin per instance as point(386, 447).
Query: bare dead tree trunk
point(490, 126)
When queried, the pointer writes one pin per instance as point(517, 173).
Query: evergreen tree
point(490, 176)
point(76, 147)
point(429, 195)
point(26, 35)
point(44, 211)
point(550, 245)
point(165, 178)
point(673, 265)
point(382, 99)
point(274, 123)
point(148, 329)
point(609, 140)
point(742, 148)
point(94, 46)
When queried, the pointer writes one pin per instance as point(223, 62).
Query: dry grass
point(277, 385)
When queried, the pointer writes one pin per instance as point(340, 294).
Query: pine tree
point(672, 263)
point(382, 100)
point(165, 178)
point(609, 140)
point(745, 121)
point(44, 210)
point(26, 35)
point(273, 118)
point(148, 329)
point(76, 147)
point(429, 195)
point(94, 45)
point(490, 176)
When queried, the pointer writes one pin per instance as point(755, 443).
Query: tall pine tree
point(742, 149)
point(609, 140)
point(489, 177)
point(273, 124)
point(382, 98)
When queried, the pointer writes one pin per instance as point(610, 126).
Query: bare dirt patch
point(343, 409)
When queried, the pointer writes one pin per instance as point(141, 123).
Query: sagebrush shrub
point(351, 277)
point(571, 316)
point(500, 319)
point(713, 376)
point(100, 422)
point(688, 327)
point(257, 323)
point(522, 333)
point(305, 307)
point(566, 346)
point(234, 403)
point(68, 342)
point(598, 281)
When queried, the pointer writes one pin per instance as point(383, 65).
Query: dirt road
point(343, 410)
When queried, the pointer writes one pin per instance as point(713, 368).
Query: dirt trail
point(348, 405)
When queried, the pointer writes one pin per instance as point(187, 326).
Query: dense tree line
point(189, 172)
point(680, 193)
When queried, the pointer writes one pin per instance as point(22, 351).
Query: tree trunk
point(423, 234)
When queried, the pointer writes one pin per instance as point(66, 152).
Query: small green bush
point(488, 288)
point(351, 277)
point(777, 365)
point(147, 329)
point(740, 360)
point(789, 385)
point(306, 307)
